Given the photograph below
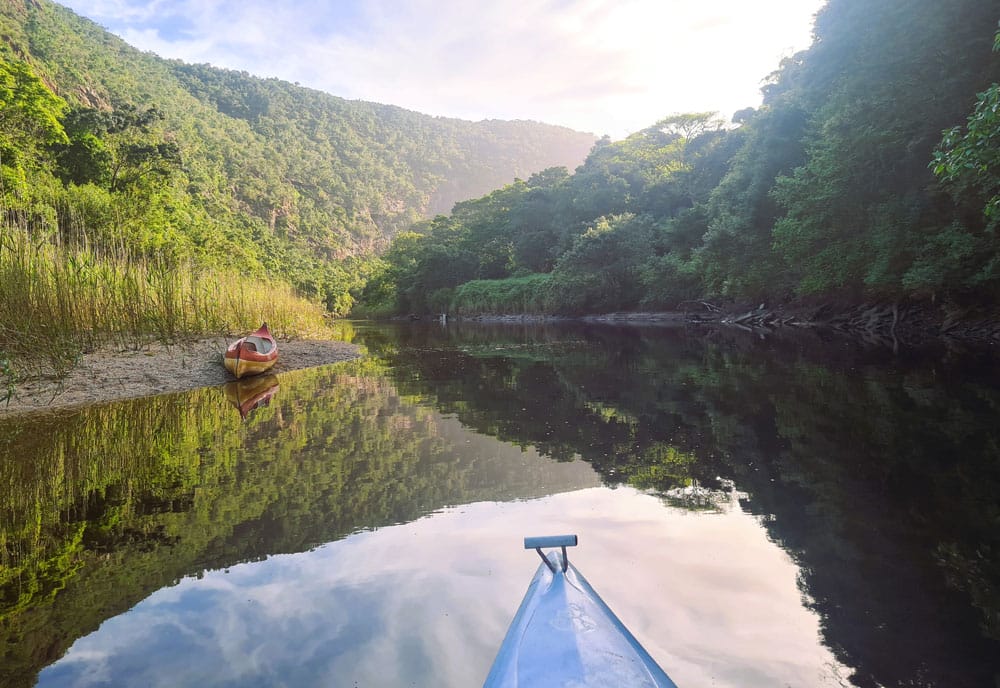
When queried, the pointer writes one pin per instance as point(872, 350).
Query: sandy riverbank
point(157, 369)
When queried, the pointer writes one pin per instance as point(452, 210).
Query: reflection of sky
point(427, 603)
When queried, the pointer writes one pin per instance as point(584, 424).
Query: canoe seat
point(259, 344)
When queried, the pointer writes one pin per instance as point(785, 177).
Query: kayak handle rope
point(564, 541)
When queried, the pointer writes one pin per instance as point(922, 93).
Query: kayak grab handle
point(564, 541)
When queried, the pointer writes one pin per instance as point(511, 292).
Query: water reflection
point(114, 502)
point(251, 392)
point(877, 473)
point(425, 603)
point(867, 546)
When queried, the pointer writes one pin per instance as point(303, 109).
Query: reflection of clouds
point(89, 668)
point(427, 603)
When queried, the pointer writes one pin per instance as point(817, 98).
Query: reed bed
point(57, 301)
point(514, 295)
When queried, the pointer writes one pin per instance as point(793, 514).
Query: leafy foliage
point(29, 113)
point(824, 191)
point(119, 150)
point(968, 161)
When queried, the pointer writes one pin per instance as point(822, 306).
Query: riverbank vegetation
point(157, 185)
point(62, 300)
point(869, 173)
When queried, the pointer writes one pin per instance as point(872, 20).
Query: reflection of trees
point(895, 465)
point(524, 390)
point(102, 506)
point(881, 475)
point(879, 479)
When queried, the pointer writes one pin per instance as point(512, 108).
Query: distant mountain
point(870, 173)
point(312, 176)
point(403, 160)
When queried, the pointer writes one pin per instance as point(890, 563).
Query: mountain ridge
point(298, 178)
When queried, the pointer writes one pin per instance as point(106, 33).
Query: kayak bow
point(565, 635)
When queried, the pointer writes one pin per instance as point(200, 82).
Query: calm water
point(840, 524)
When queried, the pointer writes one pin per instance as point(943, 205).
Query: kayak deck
point(565, 635)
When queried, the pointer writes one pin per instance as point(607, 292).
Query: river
point(779, 511)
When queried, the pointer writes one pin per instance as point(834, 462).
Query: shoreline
point(109, 375)
point(887, 323)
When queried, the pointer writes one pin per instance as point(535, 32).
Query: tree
point(534, 221)
point(85, 157)
point(690, 125)
point(968, 160)
point(736, 252)
point(601, 271)
point(29, 113)
point(858, 208)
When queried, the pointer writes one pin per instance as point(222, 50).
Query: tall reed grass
point(514, 295)
point(57, 301)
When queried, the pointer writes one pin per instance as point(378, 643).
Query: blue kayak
point(565, 635)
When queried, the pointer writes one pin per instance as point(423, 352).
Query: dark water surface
point(787, 512)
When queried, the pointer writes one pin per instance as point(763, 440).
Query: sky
point(602, 66)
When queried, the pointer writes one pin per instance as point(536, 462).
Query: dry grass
point(56, 302)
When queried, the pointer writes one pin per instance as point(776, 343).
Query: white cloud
point(607, 66)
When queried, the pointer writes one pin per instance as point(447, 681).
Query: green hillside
point(106, 145)
point(870, 172)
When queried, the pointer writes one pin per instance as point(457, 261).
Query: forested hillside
point(103, 145)
point(870, 172)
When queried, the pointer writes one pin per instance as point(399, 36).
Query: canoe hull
point(565, 634)
point(243, 366)
point(252, 355)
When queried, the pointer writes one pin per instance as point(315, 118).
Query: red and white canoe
point(254, 354)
